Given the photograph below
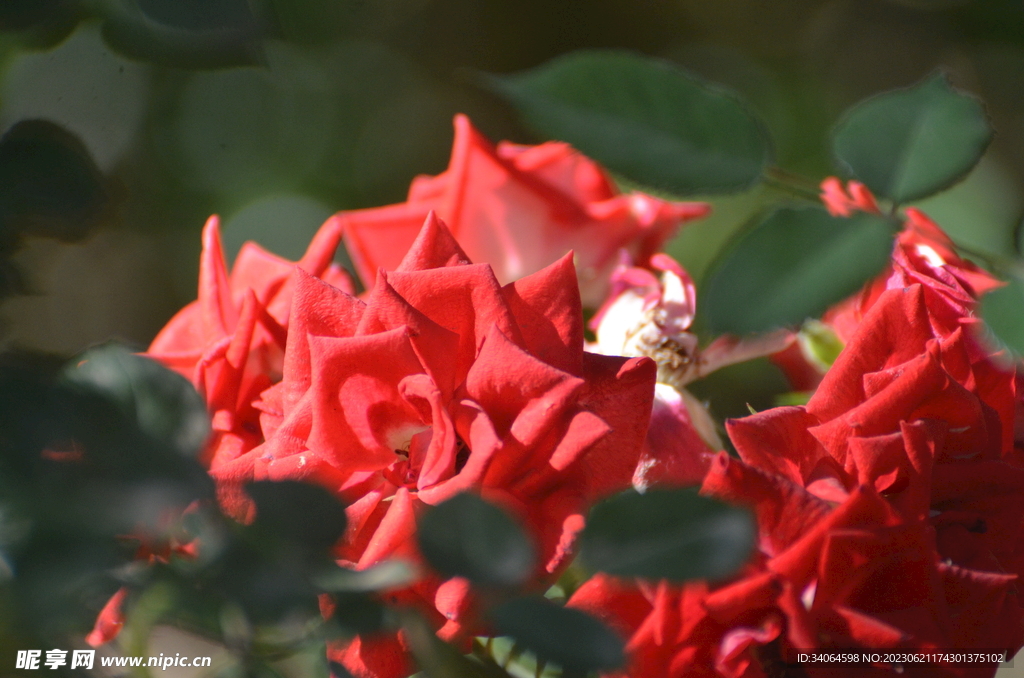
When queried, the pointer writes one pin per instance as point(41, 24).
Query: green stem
point(791, 183)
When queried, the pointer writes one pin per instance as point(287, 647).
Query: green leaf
point(467, 537)
point(49, 184)
point(569, 637)
point(644, 118)
point(338, 671)
point(667, 534)
point(163, 404)
point(298, 512)
point(391, 574)
point(41, 24)
point(910, 143)
point(1003, 312)
point(793, 266)
point(186, 33)
point(20, 14)
point(198, 15)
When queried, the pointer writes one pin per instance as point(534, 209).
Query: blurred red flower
point(520, 208)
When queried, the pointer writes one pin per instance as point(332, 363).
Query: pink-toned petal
point(110, 620)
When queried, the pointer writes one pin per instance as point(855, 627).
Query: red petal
point(110, 620)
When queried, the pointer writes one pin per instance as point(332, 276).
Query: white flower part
point(677, 304)
point(933, 258)
point(636, 325)
point(620, 323)
point(807, 597)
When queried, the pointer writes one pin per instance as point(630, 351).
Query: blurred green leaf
point(644, 118)
point(198, 15)
point(667, 534)
point(265, 582)
point(467, 537)
point(36, 14)
point(49, 184)
point(162, 404)
point(359, 613)
point(40, 24)
point(1003, 312)
point(387, 575)
point(20, 14)
point(62, 579)
point(298, 512)
point(793, 266)
point(186, 33)
point(338, 671)
point(910, 143)
point(571, 638)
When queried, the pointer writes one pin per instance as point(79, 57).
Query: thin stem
point(791, 183)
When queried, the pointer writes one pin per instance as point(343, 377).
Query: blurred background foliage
point(277, 113)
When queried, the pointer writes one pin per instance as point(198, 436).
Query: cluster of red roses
point(889, 507)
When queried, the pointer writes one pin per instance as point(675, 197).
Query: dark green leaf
point(61, 579)
point(186, 34)
point(199, 15)
point(338, 671)
point(298, 512)
point(163, 404)
point(359, 613)
point(571, 638)
point(910, 143)
point(74, 454)
point(1003, 312)
point(667, 534)
point(793, 266)
point(467, 537)
point(644, 118)
point(16, 15)
point(49, 184)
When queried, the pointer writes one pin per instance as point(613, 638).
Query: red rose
point(520, 208)
point(844, 576)
point(230, 341)
point(890, 507)
point(440, 381)
point(926, 420)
